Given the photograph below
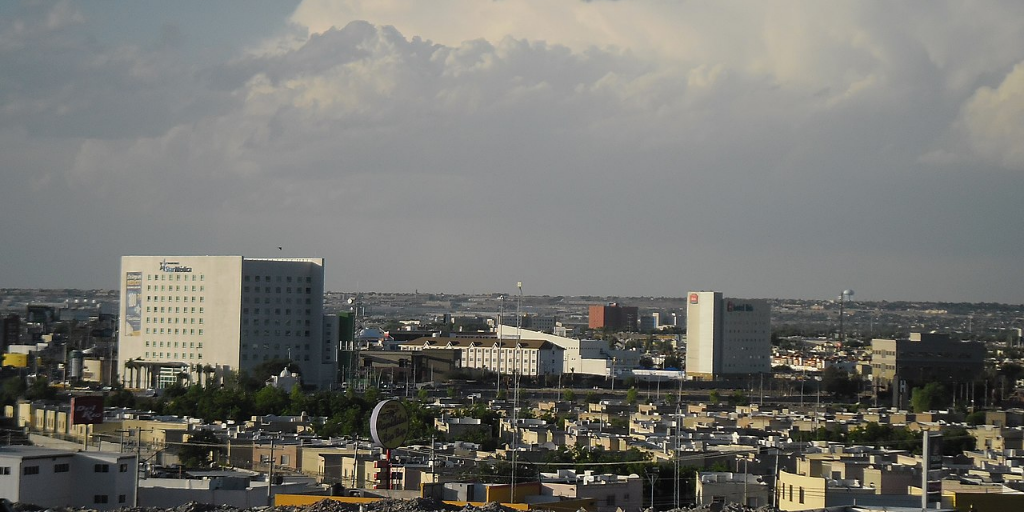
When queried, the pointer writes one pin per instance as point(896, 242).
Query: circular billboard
point(389, 424)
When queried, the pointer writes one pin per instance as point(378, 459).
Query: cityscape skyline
point(776, 150)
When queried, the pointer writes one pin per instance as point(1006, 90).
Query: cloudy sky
point(632, 147)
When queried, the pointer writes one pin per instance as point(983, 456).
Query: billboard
point(86, 410)
point(132, 304)
point(389, 423)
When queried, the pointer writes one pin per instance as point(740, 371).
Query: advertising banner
point(133, 304)
point(86, 410)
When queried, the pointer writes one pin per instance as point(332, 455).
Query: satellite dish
point(848, 293)
point(351, 300)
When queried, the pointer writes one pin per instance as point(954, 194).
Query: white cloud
point(993, 121)
point(650, 137)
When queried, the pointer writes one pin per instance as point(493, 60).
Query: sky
point(788, 149)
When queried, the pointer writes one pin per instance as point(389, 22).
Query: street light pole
point(652, 475)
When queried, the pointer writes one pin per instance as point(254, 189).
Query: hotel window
point(200, 332)
point(31, 470)
point(101, 468)
point(99, 498)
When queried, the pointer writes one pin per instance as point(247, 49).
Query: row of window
point(174, 277)
point(160, 320)
point(277, 346)
point(173, 288)
point(63, 468)
point(266, 321)
point(276, 289)
point(277, 300)
point(173, 356)
point(266, 357)
point(175, 298)
point(288, 279)
point(191, 344)
point(277, 332)
point(177, 309)
point(276, 311)
point(188, 332)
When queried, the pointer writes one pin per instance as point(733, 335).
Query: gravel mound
point(324, 505)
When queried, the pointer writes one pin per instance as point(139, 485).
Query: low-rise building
point(63, 478)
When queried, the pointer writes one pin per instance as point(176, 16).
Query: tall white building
point(726, 337)
point(197, 316)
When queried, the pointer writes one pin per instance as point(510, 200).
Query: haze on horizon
point(621, 148)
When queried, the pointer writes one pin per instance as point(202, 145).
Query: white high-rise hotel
point(197, 315)
point(727, 337)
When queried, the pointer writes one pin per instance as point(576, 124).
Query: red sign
point(693, 298)
point(86, 410)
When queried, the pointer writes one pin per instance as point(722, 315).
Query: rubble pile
point(325, 505)
point(383, 505)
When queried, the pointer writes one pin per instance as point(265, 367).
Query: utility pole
point(138, 464)
point(515, 382)
point(270, 477)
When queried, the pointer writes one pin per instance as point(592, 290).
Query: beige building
point(726, 337)
point(507, 356)
point(720, 487)
point(184, 317)
point(609, 492)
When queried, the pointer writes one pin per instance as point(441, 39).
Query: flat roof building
point(189, 315)
point(64, 478)
point(726, 337)
point(613, 317)
point(901, 364)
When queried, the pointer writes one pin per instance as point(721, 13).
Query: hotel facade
point(727, 337)
point(197, 317)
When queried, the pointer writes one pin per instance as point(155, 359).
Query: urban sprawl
point(244, 382)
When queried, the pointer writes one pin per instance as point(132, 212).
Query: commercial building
point(184, 316)
point(523, 356)
point(726, 337)
point(902, 364)
point(613, 317)
point(581, 357)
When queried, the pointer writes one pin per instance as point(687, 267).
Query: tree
point(13, 389)
point(569, 395)
point(715, 398)
point(631, 396)
point(838, 382)
point(270, 400)
point(199, 448)
point(930, 397)
point(672, 362)
point(738, 398)
point(975, 418)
